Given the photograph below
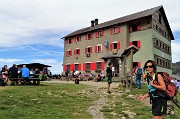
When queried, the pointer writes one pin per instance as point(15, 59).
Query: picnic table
point(25, 81)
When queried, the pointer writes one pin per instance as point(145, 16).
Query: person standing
point(138, 74)
point(109, 76)
point(159, 104)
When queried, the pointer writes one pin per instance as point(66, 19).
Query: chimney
point(96, 21)
point(92, 23)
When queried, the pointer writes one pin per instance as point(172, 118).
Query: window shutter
point(111, 46)
point(96, 48)
point(138, 28)
point(91, 66)
point(130, 43)
point(91, 35)
point(86, 36)
point(118, 45)
point(74, 51)
point(102, 32)
point(85, 50)
point(102, 65)
point(84, 66)
point(111, 31)
point(71, 67)
point(130, 29)
point(138, 44)
point(75, 39)
point(64, 67)
point(66, 41)
point(66, 53)
point(118, 29)
point(100, 48)
point(90, 49)
point(96, 34)
point(94, 65)
point(79, 51)
point(71, 53)
point(79, 67)
point(139, 64)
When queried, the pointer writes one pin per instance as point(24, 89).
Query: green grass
point(124, 103)
point(48, 101)
point(65, 101)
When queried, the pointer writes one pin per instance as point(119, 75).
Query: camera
point(149, 77)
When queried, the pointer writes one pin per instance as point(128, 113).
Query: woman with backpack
point(159, 104)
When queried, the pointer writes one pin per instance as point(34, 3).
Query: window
point(76, 67)
point(77, 39)
point(135, 43)
point(89, 36)
point(98, 65)
point(88, 50)
point(135, 27)
point(99, 33)
point(160, 19)
point(68, 67)
point(70, 41)
point(115, 45)
point(69, 53)
point(98, 48)
point(77, 51)
point(115, 29)
point(156, 27)
point(88, 66)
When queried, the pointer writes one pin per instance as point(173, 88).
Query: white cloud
point(10, 60)
point(56, 65)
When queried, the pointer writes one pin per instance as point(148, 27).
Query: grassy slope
point(48, 101)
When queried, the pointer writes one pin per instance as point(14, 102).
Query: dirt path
point(100, 89)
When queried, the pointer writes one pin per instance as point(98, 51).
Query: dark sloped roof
point(34, 65)
point(127, 18)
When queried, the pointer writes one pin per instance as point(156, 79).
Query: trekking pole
point(172, 100)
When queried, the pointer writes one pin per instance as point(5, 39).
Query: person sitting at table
point(13, 73)
point(4, 73)
point(25, 74)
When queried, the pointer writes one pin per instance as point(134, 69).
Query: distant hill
point(176, 68)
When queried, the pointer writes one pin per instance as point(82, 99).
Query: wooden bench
point(25, 81)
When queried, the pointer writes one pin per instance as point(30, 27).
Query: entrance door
point(116, 66)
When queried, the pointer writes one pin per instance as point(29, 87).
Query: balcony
point(115, 51)
point(87, 54)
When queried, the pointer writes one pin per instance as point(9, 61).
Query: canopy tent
point(34, 66)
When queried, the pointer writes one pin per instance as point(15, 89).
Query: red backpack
point(171, 90)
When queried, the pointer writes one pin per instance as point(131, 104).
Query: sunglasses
point(148, 66)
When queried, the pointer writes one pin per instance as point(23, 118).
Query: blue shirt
point(25, 72)
point(151, 89)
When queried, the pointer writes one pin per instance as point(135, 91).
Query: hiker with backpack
point(159, 104)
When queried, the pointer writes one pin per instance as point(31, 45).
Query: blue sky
point(31, 30)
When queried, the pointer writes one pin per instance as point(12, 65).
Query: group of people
point(83, 76)
point(159, 103)
point(24, 72)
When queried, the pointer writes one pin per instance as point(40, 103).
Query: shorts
point(109, 80)
point(159, 106)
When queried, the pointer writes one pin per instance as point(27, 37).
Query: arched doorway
point(116, 66)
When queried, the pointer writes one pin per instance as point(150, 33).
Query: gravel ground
point(100, 89)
